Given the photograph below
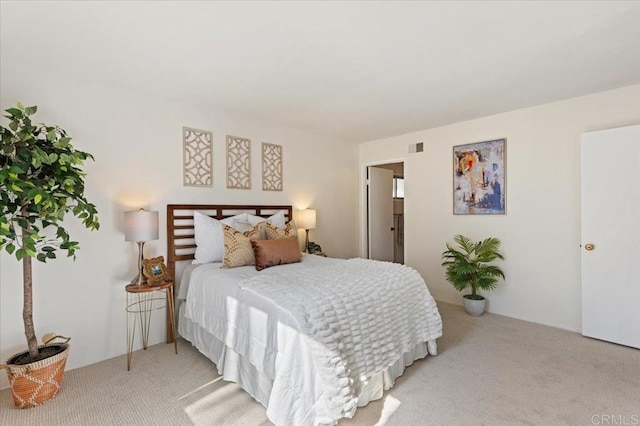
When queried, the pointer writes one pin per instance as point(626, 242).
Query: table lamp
point(140, 226)
point(307, 221)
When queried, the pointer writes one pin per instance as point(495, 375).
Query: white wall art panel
point(238, 163)
point(271, 167)
point(197, 148)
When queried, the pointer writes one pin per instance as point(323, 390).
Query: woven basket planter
point(36, 383)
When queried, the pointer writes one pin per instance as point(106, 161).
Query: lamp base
point(139, 279)
point(306, 242)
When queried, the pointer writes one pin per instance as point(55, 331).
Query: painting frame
point(480, 178)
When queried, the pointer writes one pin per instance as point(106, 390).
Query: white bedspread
point(381, 311)
point(253, 324)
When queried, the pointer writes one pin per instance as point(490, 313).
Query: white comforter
point(259, 317)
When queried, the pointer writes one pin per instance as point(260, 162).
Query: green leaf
point(30, 110)
point(20, 254)
point(37, 198)
point(10, 248)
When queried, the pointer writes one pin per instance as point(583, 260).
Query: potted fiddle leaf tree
point(41, 181)
point(467, 265)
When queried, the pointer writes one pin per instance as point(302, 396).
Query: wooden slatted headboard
point(181, 244)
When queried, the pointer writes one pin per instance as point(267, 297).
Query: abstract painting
point(479, 177)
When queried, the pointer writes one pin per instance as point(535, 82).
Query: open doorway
point(385, 212)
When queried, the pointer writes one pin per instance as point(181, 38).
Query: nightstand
point(142, 300)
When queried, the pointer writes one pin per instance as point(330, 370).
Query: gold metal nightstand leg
point(172, 317)
point(130, 334)
point(146, 301)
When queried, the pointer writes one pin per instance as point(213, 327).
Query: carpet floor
point(491, 370)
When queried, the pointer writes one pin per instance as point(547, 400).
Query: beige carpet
point(491, 370)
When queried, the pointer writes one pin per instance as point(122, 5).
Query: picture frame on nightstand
point(155, 270)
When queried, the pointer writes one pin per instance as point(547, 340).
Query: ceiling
point(355, 71)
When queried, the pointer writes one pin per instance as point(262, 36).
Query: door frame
point(363, 213)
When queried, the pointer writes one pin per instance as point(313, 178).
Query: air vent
point(416, 147)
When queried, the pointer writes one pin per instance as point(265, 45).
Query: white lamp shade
point(140, 226)
point(307, 219)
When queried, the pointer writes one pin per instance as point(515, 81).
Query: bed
point(311, 340)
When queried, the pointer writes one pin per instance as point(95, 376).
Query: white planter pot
point(473, 307)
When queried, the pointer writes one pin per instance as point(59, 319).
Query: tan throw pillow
point(237, 246)
point(275, 233)
point(276, 252)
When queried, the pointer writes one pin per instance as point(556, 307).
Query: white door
point(611, 235)
point(380, 213)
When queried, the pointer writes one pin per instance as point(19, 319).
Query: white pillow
point(241, 226)
point(277, 220)
point(209, 236)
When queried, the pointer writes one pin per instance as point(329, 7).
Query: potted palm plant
point(468, 266)
point(41, 181)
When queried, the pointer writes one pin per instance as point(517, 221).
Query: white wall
point(137, 142)
point(541, 231)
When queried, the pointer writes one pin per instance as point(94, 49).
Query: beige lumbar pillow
point(275, 233)
point(237, 246)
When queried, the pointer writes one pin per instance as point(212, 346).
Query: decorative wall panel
point(271, 167)
point(238, 163)
point(197, 146)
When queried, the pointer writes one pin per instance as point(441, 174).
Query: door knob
point(589, 246)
